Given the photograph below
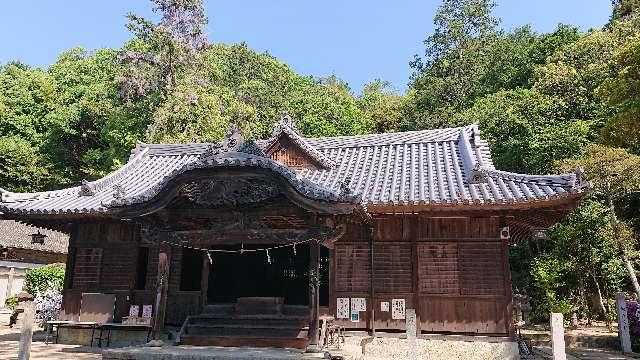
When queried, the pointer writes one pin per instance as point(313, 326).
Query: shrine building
point(262, 237)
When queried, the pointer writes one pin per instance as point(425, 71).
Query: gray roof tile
point(14, 234)
point(411, 168)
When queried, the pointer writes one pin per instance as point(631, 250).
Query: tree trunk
point(601, 301)
point(623, 252)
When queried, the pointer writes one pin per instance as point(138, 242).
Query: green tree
point(623, 93)
point(614, 173)
point(624, 8)
point(383, 106)
point(526, 130)
point(26, 96)
point(468, 57)
point(85, 106)
point(580, 258)
point(22, 166)
point(446, 80)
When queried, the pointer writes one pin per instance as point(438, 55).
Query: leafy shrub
point(41, 279)
point(11, 302)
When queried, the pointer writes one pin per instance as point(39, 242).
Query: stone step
point(247, 331)
point(245, 341)
point(263, 321)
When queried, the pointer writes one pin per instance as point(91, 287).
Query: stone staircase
point(257, 322)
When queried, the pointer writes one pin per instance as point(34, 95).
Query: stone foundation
point(118, 338)
point(431, 348)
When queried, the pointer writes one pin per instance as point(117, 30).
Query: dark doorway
point(235, 275)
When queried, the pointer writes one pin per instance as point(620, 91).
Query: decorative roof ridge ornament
point(233, 142)
point(344, 187)
point(285, 121)
point(86, 189)
point(579, 184)
point(119, 192)
point(478, 175)
point(4, 195)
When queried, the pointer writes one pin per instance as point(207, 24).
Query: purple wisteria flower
point(48, 304)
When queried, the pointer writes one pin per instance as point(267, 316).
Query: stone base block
point(437, 348)
point(117, 338)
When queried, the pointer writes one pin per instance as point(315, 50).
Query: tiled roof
point(14, 234)
point(431, 167)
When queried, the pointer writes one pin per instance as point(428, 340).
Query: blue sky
point(357, 40)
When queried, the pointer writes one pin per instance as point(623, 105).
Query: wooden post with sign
point(410, 322)
point(26, 334)
point(623, 323)
point(557, 337)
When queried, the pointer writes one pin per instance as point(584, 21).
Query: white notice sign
point(397, 309)
point(342, 308)
point(384, 306)
point(358, 304)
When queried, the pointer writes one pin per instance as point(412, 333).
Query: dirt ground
point(9, 340)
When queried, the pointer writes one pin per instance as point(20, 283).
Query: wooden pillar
point(161, 294)
point(372, 303)
point(415, 225)
point(314, 290)
point(204, 281)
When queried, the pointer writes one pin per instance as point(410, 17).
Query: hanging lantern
point(38, 238)
point(540, 234)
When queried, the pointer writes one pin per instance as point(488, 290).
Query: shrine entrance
point(251, 274)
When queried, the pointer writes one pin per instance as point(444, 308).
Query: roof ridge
point(391, 133)
point(117, 175)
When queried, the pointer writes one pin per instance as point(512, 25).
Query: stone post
point(557, 337)
point(410, 321)
point(623, 323)
point(26, 334)
point(12, 272)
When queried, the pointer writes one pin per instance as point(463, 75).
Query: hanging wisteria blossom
point(48, 304)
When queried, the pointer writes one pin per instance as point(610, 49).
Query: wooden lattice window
point(392, 268)
point(353, 268)
point(482, 268)
point(87, 268)
point(438, 271)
